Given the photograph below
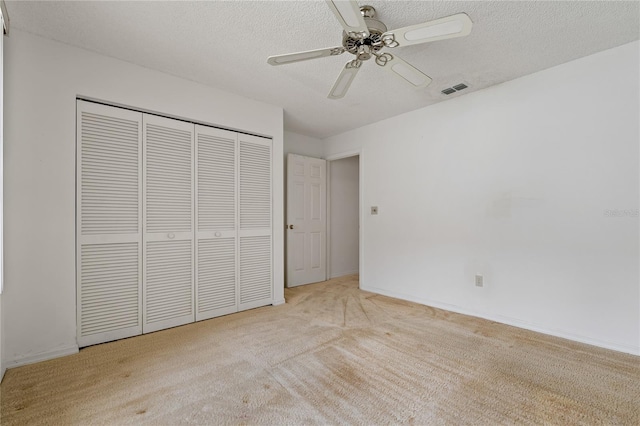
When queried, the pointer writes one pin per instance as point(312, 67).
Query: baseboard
point(2, 370)
point(278, 302)
point(342, 274)
point(43, 356)
point(629, 349)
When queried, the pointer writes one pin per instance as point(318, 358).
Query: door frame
point(339, 156)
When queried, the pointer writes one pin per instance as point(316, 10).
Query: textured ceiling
point(226, 45)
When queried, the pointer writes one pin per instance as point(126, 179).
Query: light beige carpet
point(332, 355)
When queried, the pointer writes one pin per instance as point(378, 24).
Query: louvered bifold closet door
point(216, 219)
point(255, 232)
point(109, 223)
point(168, 296)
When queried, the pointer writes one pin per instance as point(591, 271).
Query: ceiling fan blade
point(458, 25)
point(304, 56)
point(345, 79)
point(407, 72)
point(350, 17)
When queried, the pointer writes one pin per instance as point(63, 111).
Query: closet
point(173, 222)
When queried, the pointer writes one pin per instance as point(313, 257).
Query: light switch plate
point(374, 209)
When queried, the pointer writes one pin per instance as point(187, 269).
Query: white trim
point(279, 302)
point(361, 247)
point(339, 156)
point(277, 221)
point(5, 24)
point(342, 274)
point(327, 224)
point(43, 356)
point(171, 116)
point(344, 154)
point(629, 349)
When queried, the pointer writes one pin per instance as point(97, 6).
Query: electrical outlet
point(479, 281)
point(374, 209)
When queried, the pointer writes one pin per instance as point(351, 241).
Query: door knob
point(290, 226)
point(171, 235)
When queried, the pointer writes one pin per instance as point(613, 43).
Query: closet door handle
point(171, 235)
point(218, 234)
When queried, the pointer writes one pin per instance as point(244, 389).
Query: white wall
point(344, 215)
point(513, 182)
point(295, 143)
point(42, 80)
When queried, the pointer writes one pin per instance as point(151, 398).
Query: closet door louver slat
point(255, 271)
point(109, 254)
point(168, 176)
point(168, 295)
point(104, 279)
point(168, 281)
point(255, 274)
point(255, 184)
point(216, 180)
point(216, 218)
point(216, 277)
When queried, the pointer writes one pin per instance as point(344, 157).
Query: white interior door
point(168, 282)
point(216, 222)
point(306, 220)
point(109, 223)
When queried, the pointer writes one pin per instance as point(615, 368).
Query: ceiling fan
point(365, 37)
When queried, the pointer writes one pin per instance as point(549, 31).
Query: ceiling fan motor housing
point(364, 48)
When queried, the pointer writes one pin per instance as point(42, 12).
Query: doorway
point(343, 216)
point(324, 214)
